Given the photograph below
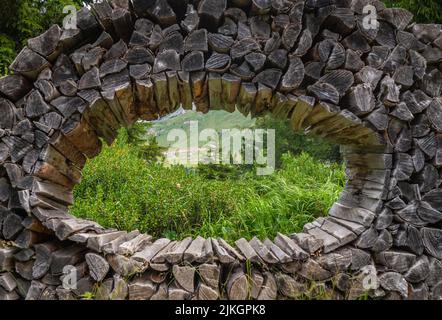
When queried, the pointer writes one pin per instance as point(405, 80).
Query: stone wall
point(375, 92)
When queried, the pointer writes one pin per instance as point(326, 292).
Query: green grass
point(287, 140)
point(216, 119)
point(121, 190)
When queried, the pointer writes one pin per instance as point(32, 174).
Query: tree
point(425, 11)
point(25, 19)
point(147, 146)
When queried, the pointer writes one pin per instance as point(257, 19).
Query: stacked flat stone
point(375, 92)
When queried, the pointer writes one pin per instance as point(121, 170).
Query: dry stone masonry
point(376, 92)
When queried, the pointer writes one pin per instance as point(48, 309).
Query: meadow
point(124, 189)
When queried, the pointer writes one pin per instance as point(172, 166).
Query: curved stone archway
point(376, 92)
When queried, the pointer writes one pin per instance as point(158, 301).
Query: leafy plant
point(7, 53)
point(26, 19)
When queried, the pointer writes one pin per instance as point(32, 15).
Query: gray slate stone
point(395, 260)
point(311, 270)
point(357, 215)
point(308, 242)
point(98, 266)
point(393, 281)
point(418, 271)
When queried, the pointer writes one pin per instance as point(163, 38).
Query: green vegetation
point(128, 187)
point(287, 140)
point(425, 11)
point(217, 120)
point(25, 19)
point(123, 189)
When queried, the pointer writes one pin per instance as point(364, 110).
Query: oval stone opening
point(377, 93)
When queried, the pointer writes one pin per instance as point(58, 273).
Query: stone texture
point(393, 281)
point(71, 89)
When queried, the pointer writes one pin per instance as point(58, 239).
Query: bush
point(121, 190)
point(7, 53)
point(26, 19)
point(296, 143)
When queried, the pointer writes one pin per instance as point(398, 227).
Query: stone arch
point(375, 92)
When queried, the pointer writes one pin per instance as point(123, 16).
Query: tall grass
point(121, 190)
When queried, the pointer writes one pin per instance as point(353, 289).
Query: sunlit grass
point(121, 190)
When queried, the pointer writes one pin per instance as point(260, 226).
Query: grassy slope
point(121, 190)
point(216, 120)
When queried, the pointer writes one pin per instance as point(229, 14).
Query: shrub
point(297, 142)
point(26, 19)
point(7, 53)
